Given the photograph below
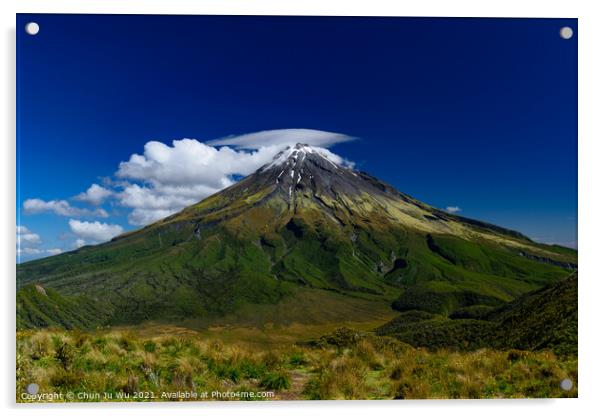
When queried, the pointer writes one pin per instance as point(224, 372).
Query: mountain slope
point(303, 220)
point(41, 307)
point(543, 319)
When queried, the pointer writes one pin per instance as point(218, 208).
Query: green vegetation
point(261, 240)
point(543, 319)
point(438, 332)
point(40, 307)
point(168, 276)
point(242, 291)
point(344, 365)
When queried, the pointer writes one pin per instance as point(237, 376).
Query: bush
point(65, 379)
point(150, 346)
point(276, 381)
point(297, 359)
point(227, 371)
point(342, 338)
point(271, 360)
point(250, 369)
point(65, 355)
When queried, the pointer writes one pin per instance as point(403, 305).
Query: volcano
point(305, 221)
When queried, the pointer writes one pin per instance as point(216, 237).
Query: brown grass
point(371, 367)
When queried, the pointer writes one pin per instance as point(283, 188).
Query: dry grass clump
point(347, 365)
point(343, 378)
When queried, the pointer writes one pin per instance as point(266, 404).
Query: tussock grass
point(343, 365)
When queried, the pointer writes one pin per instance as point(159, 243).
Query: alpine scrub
point(343, 365)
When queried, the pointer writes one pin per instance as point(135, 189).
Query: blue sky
point(478, 114)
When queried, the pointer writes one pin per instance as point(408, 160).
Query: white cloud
point(165, 179)
point(28, 251)
point(282, 138)
point(173, 177)
point(453, 209)
point(94, 231)
point(190, 162)
point(154, 202)
point(36, 251)
point(28, 244)
point(94, 195)
point(59, 207)
point(141, 216)
point(79, 243)
point(27, 237)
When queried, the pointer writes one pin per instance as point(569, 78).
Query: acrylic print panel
point(290, 208)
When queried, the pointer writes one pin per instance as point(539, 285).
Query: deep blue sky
point(475, 113)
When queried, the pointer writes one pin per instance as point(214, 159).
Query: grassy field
point(127, 365)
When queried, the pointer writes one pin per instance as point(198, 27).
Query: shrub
point(227, 371)
point(149, 346)
point(297, 359)
point(366, 352)
point(342, 378)
point(65, 379)
point(276, 381)
point(99, 342)
point(250, 369)
point(65, 355)
point(127, 342)
point(342, 338)
point(271, 360)
point(39, 345)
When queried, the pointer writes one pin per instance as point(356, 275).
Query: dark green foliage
point(297, 359)
point(477, 312)
point(419, 328)
point(407, 318)
point(341, 338)
point(251, 369)
point(64, 354)
point(276, 381)
point(456, 334)
point(227, 372)
point(543, 319)
point(150, 346)
point(42, 307)
point(440, 297)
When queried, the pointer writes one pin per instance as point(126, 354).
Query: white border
point(590, 207)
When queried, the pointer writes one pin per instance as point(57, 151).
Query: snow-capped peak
point(294, 155)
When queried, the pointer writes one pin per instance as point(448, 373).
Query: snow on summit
point(295, 155)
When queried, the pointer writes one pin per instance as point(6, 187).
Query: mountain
point(304, 222)
point(542, 319)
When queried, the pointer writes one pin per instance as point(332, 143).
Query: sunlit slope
point(304, 220)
